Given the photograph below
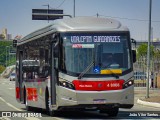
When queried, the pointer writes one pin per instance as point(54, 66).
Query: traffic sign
point(14, 43)
point(11, 52)
point(96, 69)
point(47, 14)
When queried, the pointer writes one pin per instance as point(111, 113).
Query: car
point(12, 76)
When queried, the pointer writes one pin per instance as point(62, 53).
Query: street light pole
point(6, 54)
point(148, 52)
point(47, 11)
point(74, 9)
point(9, 56)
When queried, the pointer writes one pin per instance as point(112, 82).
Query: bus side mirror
point(134, 55)
point(133, 41)
point(54, 38)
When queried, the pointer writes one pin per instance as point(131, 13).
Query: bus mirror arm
point(134, 55)
point(133, 41)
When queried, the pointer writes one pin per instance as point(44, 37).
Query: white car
point(12, 76)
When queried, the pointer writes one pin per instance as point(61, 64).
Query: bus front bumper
point(116, 98)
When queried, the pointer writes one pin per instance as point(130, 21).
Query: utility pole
point(148, 52)
point(47, 12)
point(6, 55)
point(74, 9)
point(9, 56)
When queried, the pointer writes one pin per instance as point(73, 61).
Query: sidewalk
point(154, 96)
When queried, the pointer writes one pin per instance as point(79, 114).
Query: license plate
point(99, 101)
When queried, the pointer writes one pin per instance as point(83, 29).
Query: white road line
point(11, 88)
point(60, 118)
point(28, 118)
point(10, 105)
point(32, 118)
point(2, 118)
point(7, 83)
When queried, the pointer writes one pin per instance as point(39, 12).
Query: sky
point(16, 15)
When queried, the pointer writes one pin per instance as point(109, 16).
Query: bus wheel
point(48, 106)
point(111, 112)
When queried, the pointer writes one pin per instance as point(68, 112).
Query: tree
point(4, 53)
point(142, 50)
point(2, 68)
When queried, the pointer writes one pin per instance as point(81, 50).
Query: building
point(4, 32)
point(9, 36)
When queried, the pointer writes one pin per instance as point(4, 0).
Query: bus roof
point(76, 24)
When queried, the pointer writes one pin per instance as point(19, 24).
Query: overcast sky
point(16, 15)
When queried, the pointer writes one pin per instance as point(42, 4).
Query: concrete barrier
point(152, 104)
point(6, 73)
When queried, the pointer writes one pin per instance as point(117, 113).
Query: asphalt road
point(9, 104)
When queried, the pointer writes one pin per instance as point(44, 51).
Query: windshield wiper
point(113, 74)
point(86, 70)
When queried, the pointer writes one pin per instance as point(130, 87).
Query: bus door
point(20, 77)
point(54, 72)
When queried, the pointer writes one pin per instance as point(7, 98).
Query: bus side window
point(44, 62)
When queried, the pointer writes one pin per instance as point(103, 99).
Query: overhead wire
point(61, 4)
point(58, 5)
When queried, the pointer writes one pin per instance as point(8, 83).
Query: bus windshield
point(104, 50)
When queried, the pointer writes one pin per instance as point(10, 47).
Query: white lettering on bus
point(89, 39)
point(106, 39)
point(81, 39)
point(115, 85)
point(85, 86)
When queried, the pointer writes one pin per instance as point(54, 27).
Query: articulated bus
point(82, 63)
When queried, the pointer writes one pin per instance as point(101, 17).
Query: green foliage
point(2, 68)
point(157, 53)
point(142, 50)
point(4, 53)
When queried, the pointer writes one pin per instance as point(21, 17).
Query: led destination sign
point(94, 39)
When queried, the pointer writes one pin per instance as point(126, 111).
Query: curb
point(152, 104)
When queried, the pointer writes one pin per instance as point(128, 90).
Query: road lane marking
point(32, 118)
point(11, 88)
point(10, 105)
point(60, 118)
point(2, 118)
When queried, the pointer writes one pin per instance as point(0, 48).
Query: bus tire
point(113, 112)
point(48, 105)
point(28, 108)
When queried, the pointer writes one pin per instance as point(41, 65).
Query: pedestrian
point(152, 79)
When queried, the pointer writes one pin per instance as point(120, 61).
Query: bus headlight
point(128, 83)
point(67, 84)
